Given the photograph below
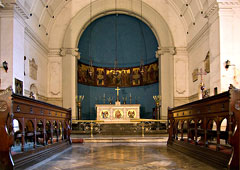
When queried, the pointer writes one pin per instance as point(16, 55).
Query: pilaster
point(55, 77)
point(69, 78)
point(12, 18)
point(166, 82)
point(229, 23)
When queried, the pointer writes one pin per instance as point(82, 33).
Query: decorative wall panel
point(121, 77)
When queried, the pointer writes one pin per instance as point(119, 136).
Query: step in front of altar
point(122, 139)
point(120, 129)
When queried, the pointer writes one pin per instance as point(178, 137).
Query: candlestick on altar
point(157, 100)
point(124, 100)
point(110, 100)
point(130, 98)
point(79, 100)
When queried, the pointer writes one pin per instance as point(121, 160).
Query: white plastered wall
point(229, 42)
point(207, 41)
point(12, 47)
point(34, 51)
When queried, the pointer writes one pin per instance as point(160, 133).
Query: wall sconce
point(228, 64)
point(4, 66)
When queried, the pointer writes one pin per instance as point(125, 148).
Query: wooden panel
point(209, 110)
point(13, 106)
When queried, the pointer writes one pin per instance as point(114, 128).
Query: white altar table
point(117, 113)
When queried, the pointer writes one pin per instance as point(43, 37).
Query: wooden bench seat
point(202, 141)
point(31, 116)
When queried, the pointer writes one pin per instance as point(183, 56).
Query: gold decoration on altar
point(131, 114)
point(118, 114)
point(105, 114)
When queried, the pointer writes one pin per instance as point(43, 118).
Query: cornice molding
point(213, 8)
point(198, 37)
point(229, 4)
point(8, 4)
point(29, 33)
point(54, 52)
point(18, 8)
point(164, 50)
point(181, 50)
point(12, 6)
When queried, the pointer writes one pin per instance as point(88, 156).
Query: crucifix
point(117, 89)
point(201, 73)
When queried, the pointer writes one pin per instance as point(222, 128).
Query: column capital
point(7, 4)
point(70, 51)
point(11, 7)
point(164, 50)
point(54, 52)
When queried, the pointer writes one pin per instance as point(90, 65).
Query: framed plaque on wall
point(18, 87)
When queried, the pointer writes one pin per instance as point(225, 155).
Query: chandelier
point(142, 69)
point(115, 72)
point(90, 69)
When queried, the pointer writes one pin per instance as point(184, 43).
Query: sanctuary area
point(113, 84)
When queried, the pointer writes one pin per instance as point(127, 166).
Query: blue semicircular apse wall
point(133, 41)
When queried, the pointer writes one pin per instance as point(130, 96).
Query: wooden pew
point(25, 110)
point(199, 143)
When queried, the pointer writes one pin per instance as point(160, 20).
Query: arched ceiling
point(43, 13)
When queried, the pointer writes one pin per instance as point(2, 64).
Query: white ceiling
point(45, 11)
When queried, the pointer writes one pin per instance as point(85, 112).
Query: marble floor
point(129, 156)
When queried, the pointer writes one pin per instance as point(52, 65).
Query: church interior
point(119, 84)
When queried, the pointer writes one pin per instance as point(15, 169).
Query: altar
point(117, 113)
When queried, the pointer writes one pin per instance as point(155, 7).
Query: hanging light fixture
point(115, 73)
point(142, 60)
point(89, 48)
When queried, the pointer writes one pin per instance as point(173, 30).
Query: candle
point(130, 95)
point(103, 94)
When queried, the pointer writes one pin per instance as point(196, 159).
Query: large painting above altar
point(121, 77)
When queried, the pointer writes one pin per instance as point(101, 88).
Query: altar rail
point(30, 129)
point(138, 127)
point(208, 128)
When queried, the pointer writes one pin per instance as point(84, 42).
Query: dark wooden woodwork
point(208, 110)
point(29, 112)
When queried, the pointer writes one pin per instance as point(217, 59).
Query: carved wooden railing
point(202, 134)
point(54, 121)
point(136, 127)
point(6, 130)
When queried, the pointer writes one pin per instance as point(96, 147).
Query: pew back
point(43, 125)
point(207, 123)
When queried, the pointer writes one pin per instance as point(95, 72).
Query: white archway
point(159, 16)
point(68, 28)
